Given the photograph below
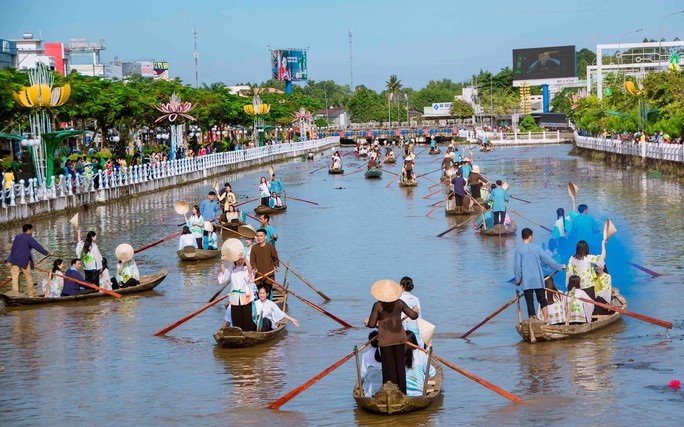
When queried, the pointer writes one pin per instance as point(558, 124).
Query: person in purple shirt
point(72, 288)
point(459, 188)
point(21, 260)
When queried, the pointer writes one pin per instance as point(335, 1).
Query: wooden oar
point(248, 201)
point(302, 200)
point(422, 152)
point(350, 173)
point(80, 282)
point(434, 185)
point(435, 208)
point(453, 228)
point(316, 170)
point(307, 302)
point(185, 319)
point(425, 177)
point(433, 193)
point(533, 222)
point(251, 216)
point(658, 322)
point(34, 266)
point(491, 316)
point(391, 173)
point(305, 281)
point(294, 393)
point(427, 173)
point(467, 374)
point(392, 181)
point(219, 291)
point(518, 198)
point(158, 242)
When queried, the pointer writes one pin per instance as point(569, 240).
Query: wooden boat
point(189, 253)
point(544, 332)
point(389, 400)
point(459, 210)
point(147, 283)
point(500, 230)
point(485, 149)
point(373, 173)
point(435, 151)
point(390, 160)
point(335, 171)
point(403, 183)
point(234, 337)
point(261, 209)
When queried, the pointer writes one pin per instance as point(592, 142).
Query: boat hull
point(189, 253)
point(373, 173)
point(266, 209)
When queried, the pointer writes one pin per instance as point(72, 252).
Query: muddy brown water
point(97, 363)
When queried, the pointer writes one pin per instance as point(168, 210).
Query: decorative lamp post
point(256, 109)
point(174, 110)
point(41, 141)
point(194, 133)
point(304, 118)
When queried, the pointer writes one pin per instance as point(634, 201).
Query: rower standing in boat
point(476, 181)
point(264, 192)
point(271, 235)
point(275, 185)
point(336, 161)
point(264, 259)
point(90, 254)
point(500, 197)
point(241, 296)
point(196, 224)
point(413, 302)
point(407, 170)
point(268, 313)
point(386, 316)
point(209, 208)
point(529, 274)
point(459, 188)
point(226, 197)
point(21, 260)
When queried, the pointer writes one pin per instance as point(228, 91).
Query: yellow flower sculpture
point(257, 108)
point(39, 95)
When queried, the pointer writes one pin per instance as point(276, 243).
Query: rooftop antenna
point(194, 33)
point(351, 69)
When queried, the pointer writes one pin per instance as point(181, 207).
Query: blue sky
point(417, 40)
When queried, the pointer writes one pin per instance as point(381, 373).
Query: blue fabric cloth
point(465, 170)
point(489, 220)
point(276, 186)
point(72, 288)
point(209, 210)
point(499, 197)
point(20, 254)
point(584, 227)
point(556, 233)
point(459, 184)
point(528, 266)
point(270, 231)
point(433, 143)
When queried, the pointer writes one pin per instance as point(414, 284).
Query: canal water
point(97, 363)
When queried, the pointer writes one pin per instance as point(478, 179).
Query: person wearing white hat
point(210, 240)
point(475, 180)
point(127, 273)
point(241, 294)
point(407, 170)
point(386, 315)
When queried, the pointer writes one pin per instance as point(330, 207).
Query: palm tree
point(393, 87)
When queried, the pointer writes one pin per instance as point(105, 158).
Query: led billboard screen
point(289, 65)
point(544, 63)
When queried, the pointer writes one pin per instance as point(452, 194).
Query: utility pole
point(194, 33)
point(351, 69)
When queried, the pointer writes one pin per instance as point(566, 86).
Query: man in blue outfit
point(209, 209)
point(529, 274)
point(584, 227)
point(72, 288)
point(21, 260)
point(500, 197)
point(275, 185)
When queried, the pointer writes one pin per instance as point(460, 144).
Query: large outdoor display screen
point(288, 65)
point(544, 63)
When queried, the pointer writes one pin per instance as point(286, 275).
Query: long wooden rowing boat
point(500, 230)
point(390, 400)
point(411, 183)
point(261, 209)
point(373, 173)
point(147, 283)
point(544, 332)
point(189, 253)
point(335, 171)
point(233, 337)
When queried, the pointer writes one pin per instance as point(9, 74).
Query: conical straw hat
point(124, 252)
point(608, 229)
point(572, 189)
point(208, 227)
point(247, 230)
point(426, 329)
point(181, 207)
point(505, 185)
point(386, 290)
point(74, 220)
point(232, 249)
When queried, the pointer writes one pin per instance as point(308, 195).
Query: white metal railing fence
point(517, 138)
point(28, 191)
point(670, 152)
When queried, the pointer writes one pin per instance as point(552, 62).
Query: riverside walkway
point(649, 150)
point(25, 199)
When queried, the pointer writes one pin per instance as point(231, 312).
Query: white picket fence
point(27, 192)
point(669, 152)
point(520, 138)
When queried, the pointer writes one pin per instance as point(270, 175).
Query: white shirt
point(187, 240)
point(240, 285)
point(93, 259)
point(269, 310)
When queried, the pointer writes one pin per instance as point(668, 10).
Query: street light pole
point(389, 110)
point(660, 39)
point(408, 119)
point(619, 44)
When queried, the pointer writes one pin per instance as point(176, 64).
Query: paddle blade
point(232, 249)
point(572, 190)
point(505, 185)
point(74, 220)
point(426, 329)
point(608, 229)
point(271, 170)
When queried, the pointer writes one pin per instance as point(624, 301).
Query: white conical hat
point(208, 227)
point(232, 249)
point(572, 189)
point(386, 290)
point(181, 207)
point(124, 252)
point(247, 230)
point(608, 229)
point(74, 220)
point(426, 329)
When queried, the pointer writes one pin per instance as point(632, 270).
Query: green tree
point(527, 124)
point(585, 57)
point(366, 105)
point(462, 109)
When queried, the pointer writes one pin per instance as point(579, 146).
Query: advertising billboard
point(289, 64)
point(556, 62)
